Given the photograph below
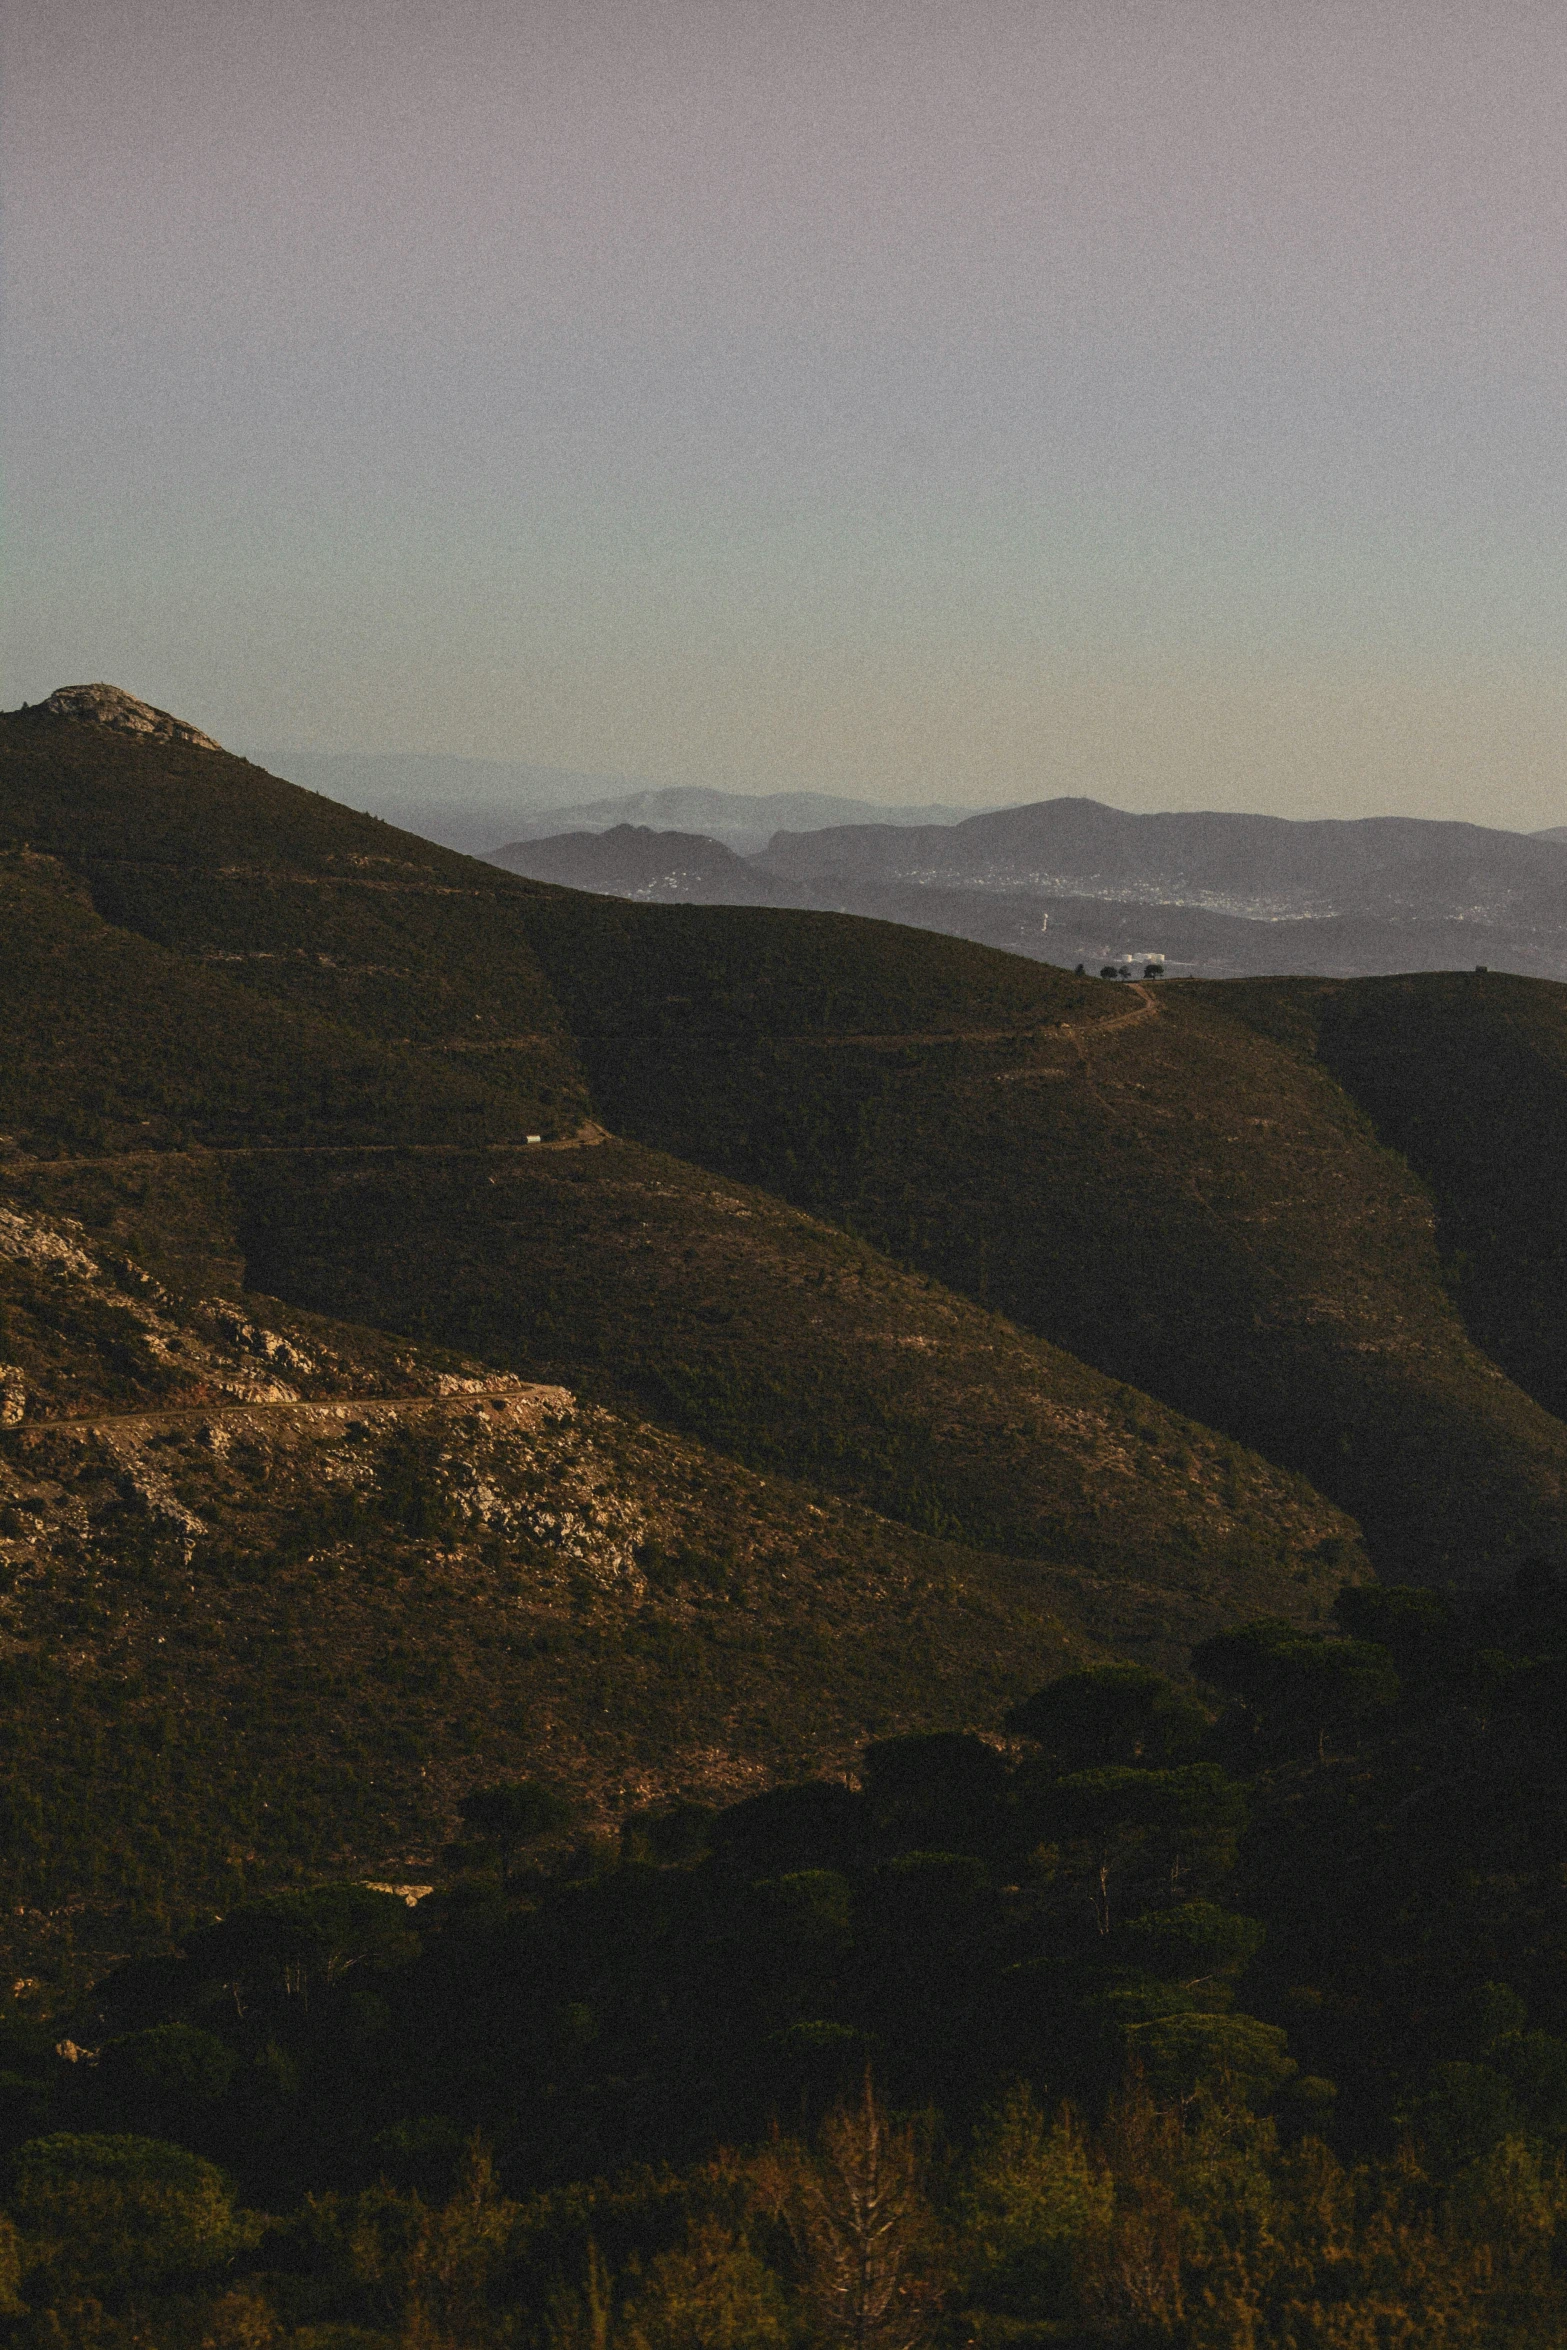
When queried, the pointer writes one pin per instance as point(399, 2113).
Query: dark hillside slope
point(738, 1320)
point(230, 1138)
point(650, 1287)
point(114, 1043)
point(988, 1118)
point(1167, 1193)
point(276, 1592)
point(700, 971)
point(294, 897)
point(1467, 1076)
point(788, 1346)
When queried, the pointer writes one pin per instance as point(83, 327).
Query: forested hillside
point(1207, 2017)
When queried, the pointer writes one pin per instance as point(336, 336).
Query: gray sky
point(970, 402)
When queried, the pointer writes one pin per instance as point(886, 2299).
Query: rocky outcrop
point(111, 705)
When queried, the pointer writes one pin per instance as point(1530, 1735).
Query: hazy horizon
point(970, 405)
point(559, 790)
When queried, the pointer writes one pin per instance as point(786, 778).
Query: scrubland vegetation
point(903, 1685)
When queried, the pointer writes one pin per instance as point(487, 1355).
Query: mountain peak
point(111, 705)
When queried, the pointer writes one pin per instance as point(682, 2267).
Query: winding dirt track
point(499, 1399)
point(1079, 1038)
point(590, 1132)
point(1147, 1009)
point(503, 1402)
point(583, 1139)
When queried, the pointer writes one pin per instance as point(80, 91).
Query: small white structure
point(1134, 966)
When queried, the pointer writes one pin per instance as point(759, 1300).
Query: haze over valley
point(1065, 879)
point(1069, 881)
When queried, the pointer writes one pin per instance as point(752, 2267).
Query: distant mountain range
point(1071, 880)
point(636, 861)
point(742, 821)
point(474, 804)
point(1067, 880)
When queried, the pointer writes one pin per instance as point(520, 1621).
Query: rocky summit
point(111, 705)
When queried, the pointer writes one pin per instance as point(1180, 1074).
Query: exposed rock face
point(111, 705)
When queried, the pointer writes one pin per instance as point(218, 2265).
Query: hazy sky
point(971, 401)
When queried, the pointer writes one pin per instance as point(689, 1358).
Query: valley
point(619, 1518)
point(1119, 1318)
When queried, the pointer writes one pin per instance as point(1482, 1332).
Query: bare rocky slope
point(275, 1592)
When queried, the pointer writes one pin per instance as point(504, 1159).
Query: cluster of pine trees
point(1224, 2014)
